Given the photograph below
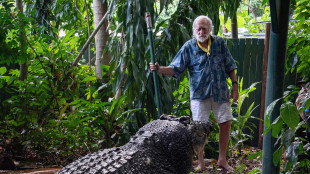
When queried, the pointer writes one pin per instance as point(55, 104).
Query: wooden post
point(263, 90)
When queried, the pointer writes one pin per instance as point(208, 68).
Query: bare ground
point(240, 162)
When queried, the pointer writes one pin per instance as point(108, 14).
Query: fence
point(249, 55)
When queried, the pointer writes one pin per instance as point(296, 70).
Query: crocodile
point(163, 146)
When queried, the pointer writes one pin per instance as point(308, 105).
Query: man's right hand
point(164, 70)
point(154, 67)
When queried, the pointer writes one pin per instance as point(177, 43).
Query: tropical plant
point(241, 122)
point(287, 125)
point(130, 57)
point(298, 42)
point(63, 128)
point(86, 128)
point(285, 128)
point(44, 93)
point(257, 24)
point(50, 112)
point(10, 28)
point(182, 99)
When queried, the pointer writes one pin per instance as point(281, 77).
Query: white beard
point(201, 38)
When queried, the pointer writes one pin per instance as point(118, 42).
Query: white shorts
point(201, 110)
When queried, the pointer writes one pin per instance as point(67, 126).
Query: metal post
point(155, 77)
point(279, 10)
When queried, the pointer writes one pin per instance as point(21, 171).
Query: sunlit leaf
point(2, 70)
point(67, 37)
point(89, 79)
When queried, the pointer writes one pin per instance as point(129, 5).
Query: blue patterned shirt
point(207, 74)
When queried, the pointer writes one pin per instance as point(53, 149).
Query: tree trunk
point(23, 66)
point(101, 37)
point(106, 58)
point(234, 27)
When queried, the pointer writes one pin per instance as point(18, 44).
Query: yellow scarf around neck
point(207, 50)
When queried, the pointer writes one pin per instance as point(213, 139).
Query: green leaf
point(63, 110)
point(2, 70)
point(86, 119)
point(267, 130)
point(105, 67)
point(16, 124)
point(128, 112)
point(288, 137)
point(159, 25)
point(269, 111)
point(288, 166)
point(291, 40)
point(131, 32)
point(289, 114)
point(254, 155)
point(89, 79)
point(87, 130)
point(277, 155)
point(254, 171)
point(75, 122)
point(264, 2)
point(115, 106)
point(292, 153)
point(67, 37)
point(128, 15)
point(277, 127)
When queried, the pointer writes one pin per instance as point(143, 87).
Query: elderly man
point(208, 61)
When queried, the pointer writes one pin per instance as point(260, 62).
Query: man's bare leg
point(223, 143)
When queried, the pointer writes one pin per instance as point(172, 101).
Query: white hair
point(203, 17)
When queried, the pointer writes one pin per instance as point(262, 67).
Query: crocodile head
point(200, 132)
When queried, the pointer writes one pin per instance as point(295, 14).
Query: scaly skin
point(164, 146)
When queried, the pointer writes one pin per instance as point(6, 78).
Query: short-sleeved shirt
point(207, 74)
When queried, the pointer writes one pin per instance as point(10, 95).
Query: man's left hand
point(234, 93)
